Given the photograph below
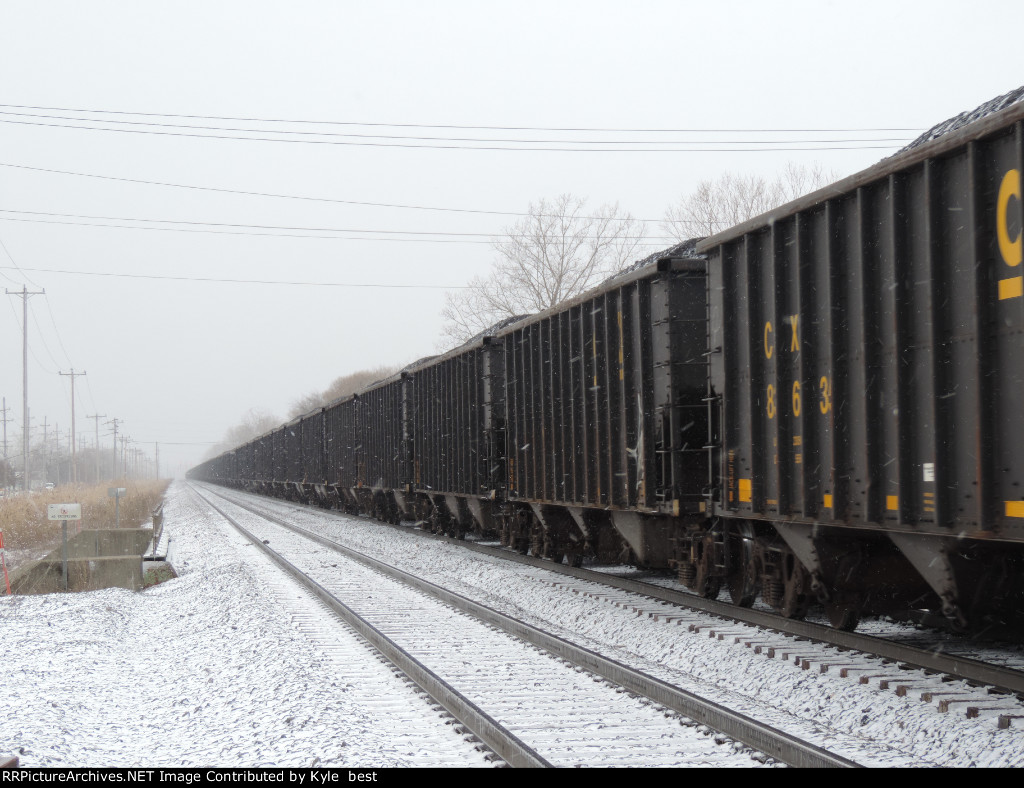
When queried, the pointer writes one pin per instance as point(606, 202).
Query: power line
point(35, 319)
point(230, 232)
point(271, 234)
point(53, 322)
point(406, 145)
point(244, 281)
point(192, 223)
point(14, 262)
point(46, 347)
point(220, 190)
point(46, 301)
point(31, 348)
point(452, 126)
point(455, 139)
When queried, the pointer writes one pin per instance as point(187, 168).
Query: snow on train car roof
point(687, 248)
point(990, 117)
point(965, 118)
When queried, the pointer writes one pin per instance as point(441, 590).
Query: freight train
point(821, 406)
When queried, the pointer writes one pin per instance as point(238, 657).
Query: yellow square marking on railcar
point(1015, 508)
point(1011, 288)
point(828, 501)
point(892, 503)
point(745, 490)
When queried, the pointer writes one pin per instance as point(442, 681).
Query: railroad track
point(926, 670)
point(533, 698)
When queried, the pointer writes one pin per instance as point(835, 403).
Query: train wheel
point(743, 570)
point(706, 583)
point(552, 549)
point(537, 546)
point(843, 615)
point(438, 520)
point(796, 594)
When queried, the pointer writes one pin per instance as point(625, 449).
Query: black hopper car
point(823, 405)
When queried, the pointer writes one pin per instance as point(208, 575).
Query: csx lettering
point(769, 343)
point(794, 345)
point(1012, 250)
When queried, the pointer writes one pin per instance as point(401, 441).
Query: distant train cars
point(558, 432)
point(822, 405)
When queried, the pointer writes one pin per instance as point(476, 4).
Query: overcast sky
point(181, 360)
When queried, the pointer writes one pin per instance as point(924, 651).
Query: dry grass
point(23, 518)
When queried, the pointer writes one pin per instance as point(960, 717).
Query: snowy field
point(205, 670)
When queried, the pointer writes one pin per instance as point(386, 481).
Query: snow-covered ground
point(207, 669)
point(857, 721)
point(210, 669)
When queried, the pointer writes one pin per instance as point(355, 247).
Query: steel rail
point(502, 741)
point(771, 741)
point(966, 668)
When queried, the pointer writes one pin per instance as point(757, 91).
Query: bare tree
point(557, 251)
point(306, 403)
point(254, 423)
point(731, 199)
point(356, 381)
point(340, 387)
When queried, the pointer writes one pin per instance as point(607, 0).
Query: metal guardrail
point(158, 529)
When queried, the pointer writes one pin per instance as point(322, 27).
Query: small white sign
point(929, 471)
point(116, 492)
point(64, 511)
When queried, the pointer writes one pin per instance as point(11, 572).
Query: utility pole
point(97, 417)
point(156, 475)
point(6, 467)
point(74, 459)
point(25, 295)
point(113, 458)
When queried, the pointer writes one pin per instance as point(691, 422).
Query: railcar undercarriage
point(975, 586)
